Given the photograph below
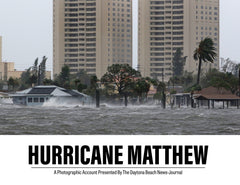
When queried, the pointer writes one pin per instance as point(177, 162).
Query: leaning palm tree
point(205, 52)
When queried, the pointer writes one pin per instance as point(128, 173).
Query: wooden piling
point(163, 100)
point(97, 98)
point(213, 104)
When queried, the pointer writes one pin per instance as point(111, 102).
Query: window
point(30, 100)
point(41, 100)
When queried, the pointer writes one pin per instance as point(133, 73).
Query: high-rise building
point(91, 35)
point(165, 25)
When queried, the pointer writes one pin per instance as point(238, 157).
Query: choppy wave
point(56, 118)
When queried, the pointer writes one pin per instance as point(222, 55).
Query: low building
point(210, 95)
point(17, 74)
point(14, 74)
point(181, 99)
point(5, 67)
point(41, 94)
point(7, 70)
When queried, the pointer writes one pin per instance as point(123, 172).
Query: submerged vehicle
point(39, 95)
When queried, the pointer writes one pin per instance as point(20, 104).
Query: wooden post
point(223, 105)
point(192, 101)
point(227, 104)
point(97, 98)
point(213, 104)
point(163, 100)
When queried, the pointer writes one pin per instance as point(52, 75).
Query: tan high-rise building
point(91, 35)
point(165, 25)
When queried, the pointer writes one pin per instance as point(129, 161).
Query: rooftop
point(50, 91)
point(213, 93)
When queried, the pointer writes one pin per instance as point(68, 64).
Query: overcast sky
point(26, 28)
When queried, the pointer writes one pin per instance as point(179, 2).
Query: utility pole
point(97, 96)
point(163, 91)
point(163, 75)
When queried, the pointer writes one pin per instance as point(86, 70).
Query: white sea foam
point(59, 102)
point(6, 101)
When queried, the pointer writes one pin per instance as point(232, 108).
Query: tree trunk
point(199, 71)
point(125, 100)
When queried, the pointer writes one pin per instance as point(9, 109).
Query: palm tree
point(205, 52)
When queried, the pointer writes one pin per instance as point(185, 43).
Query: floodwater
point(65, 119)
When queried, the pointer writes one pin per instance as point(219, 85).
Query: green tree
point(81, 87)
point(141, 87)
point(42, 71)
point(25, 79)
point(231, 67)
point(158, 96)
point(186, 80)
point(94, 81)
point(178, 63)
point(236, 69)
point(38, 72)
point(122, 76)
point(205, 52)
point(13, 82)
point(65, 73)
point(34, 72)
point(63, 79)
point(76, 82)
point(220, 80)
point(47, 82)
point(82, 76)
